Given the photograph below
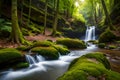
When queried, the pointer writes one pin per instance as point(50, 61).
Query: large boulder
point(93, 66)
point(71, 43)
point(107, 36)
point(47, 52)
point(9, 56)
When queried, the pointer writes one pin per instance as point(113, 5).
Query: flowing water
point(90, 33)
point(41, 69)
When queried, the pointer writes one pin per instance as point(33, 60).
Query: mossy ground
point(71, 43)
point(90, 67)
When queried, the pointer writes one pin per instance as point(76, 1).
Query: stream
point(41, 69)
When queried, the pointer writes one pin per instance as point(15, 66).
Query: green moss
point(42, 43)
point(71, 43)
point(9, 55)
point(101, 45)
point(107, 36)
point(112, 47)
point(22, 65)
point(61, 49)
point(90, 65)
point(48, 52)
point(93, 41)
point(22, 48)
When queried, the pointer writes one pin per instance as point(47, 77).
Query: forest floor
point(40, 37)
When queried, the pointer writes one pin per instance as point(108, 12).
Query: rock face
point(92, 66)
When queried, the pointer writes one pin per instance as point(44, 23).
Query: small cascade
point(30, 59)
point(90, 33)
point(40, 58)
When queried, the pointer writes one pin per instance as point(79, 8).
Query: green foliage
point(61, 49)
point(71, 43)
point(22, 65)
point(5, 28)
point(90, 66)
point(48, 52)
point(107, 36)
point(9, 55)
point(101, 45)
point(112, 47)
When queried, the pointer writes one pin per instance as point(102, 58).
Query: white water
point(90, 33)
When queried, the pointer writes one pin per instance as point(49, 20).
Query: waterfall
point(30, 59)
point(90, 33)
point(40, 58)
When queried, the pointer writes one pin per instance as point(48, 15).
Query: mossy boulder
point(101, 45)
point(90, 67)
point(61, 49)
point(107, 36)
point(112, 47)
point(71, 43)
point(9, 56)
point(21, 65)
point(47, 52)
point(42, 43)
point(22, 48)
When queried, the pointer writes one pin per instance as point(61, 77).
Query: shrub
point(71, 43)
point(61, 49)
point(107, 36)
point(47, 52)
point(101, 45)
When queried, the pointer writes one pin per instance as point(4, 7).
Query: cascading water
point(90, 33)
point(32, 60)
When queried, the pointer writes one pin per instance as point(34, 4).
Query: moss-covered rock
point(22, 48)
point(9, 56)
point(22, 65)
point(47, 52)
point(90, 67)
point(101, 45)
point(107, 36)
point(61, 49)
point(71, 43)
point(42, 43)
point(112, 47)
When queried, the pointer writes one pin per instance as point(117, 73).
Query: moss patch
point(90, 67)
point(61, 49)
point(71, 43)
point(101, 45)
point(9, 56)
point(107, 36)
point(22, 65)
point(42, 43)
point(47, 52)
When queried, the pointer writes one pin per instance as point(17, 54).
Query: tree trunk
point(107, 15)
point(21, 19)
point(45, 19)
point(16, 34)
point(56, 18)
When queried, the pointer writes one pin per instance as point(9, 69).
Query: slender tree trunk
point(16, 34)
point(45, 19)
point(56, 18)
point(107, 15)
point(29, 14)
point(22, 2)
